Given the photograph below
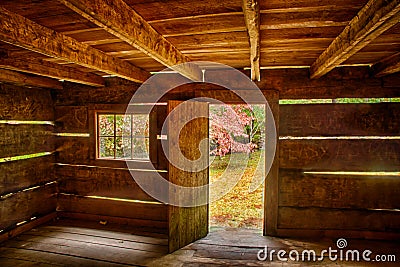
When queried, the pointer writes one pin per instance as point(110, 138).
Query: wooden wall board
point(338, 191)
point(73, 150)
point(104, 182)
point(16, 140)
point(76, 95)
point(346, 219)
point(28, 226)
point(340, 119)
point(118, 91)
point(22, 103)
point(145, 225)
point(112, 208)
point(340, 155)
point(72, 119)
point(335, 234)
point(26, 204)
point(355, 82)
point(237, 96)
point(16, 175)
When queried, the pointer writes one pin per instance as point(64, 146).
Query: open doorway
point(237, 157)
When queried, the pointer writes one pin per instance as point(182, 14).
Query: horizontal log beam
point(20, 31)
point(372, 20)
point(10, 76)
point(387, 65)
point(52, 70)
point(119, 19)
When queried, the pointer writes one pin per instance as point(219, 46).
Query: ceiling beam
point(372, 20)
point(119, 19)
point(18, 30)
point(14, 77)
point(251, 10)
point(49, 69)
point(388, 65)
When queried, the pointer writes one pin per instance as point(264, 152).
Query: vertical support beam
point(271, 189)
point(251, 10)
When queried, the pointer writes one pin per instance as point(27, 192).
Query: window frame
point(115, 136)
point(118, 109)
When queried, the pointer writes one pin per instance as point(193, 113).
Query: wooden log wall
point(27, 184)
point(330, 156)
point(102, 189)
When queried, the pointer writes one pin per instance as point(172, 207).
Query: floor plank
point(41, 258)
point(85, 250)
point(113, 227)
point(80, 243)
point(112, 241)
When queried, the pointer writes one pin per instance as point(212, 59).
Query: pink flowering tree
point(235, 128)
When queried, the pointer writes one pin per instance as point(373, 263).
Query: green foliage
point(238, 208)
point(338, 101)
point(123, 136)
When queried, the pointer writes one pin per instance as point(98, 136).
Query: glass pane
point(106, 147)
point(140, 148)
point(106, 125)
point(123, 125)
point(140, 125)
point(123, 147)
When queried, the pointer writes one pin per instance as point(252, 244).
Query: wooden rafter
point(52, 70)
point(251, 10)
point(18, 30)
point(10, 76)
point(387, 65)
point(372, 20)
point(119, 19)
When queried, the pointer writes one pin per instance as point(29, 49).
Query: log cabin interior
point(66, 63)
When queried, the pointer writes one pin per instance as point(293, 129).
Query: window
point(122, 136)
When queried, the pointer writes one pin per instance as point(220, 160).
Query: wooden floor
point(77, 243)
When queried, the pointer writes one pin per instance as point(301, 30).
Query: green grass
point(29, 156)
point(339, 101)
point(238, 208)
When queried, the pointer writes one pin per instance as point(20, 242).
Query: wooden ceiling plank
point(372, 20)
point(387, 65)
point(43, 40)
point(14, 77)
point(121, 20)
point(52, 70)
point(251, 10)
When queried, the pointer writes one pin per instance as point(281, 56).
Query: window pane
point(123, 147)
point(106, 125)
point(140, 148)
point(106, 147)
point(123, 126)
point(140, 125)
